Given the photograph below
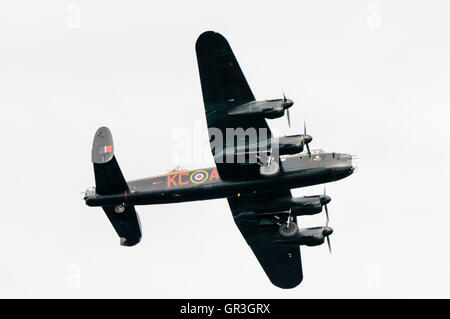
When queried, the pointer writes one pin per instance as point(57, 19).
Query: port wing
point(282, 264)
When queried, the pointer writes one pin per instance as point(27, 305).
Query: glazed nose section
point(327, 231)
point(325, 199)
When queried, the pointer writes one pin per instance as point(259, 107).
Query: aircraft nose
point(325, 199)
point(343, 171)
point(327, 231)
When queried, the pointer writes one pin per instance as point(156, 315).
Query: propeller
point(329, 245)
point(303, 140)
point(286, 105)
point(325, 205)
point(328, 230)
point(327, 236)
point(288, 118)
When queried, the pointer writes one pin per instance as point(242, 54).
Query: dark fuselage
point(189, 185)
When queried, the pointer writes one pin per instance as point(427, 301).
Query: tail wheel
point(119, 209)
point(289, 230)
point(270, 170)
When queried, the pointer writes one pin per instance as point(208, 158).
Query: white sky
point(371, 78)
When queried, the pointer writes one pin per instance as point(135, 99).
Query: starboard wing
point(224, 87)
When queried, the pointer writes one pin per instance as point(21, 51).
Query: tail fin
point(109, 180)
point(108, 176)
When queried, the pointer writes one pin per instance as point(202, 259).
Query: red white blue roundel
point(199, 176)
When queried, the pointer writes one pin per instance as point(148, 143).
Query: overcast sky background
point(370, 78)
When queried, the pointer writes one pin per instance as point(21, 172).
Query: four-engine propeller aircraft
point(254, 171)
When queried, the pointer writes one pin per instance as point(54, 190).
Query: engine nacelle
point(312, 236)
point(284, 145)
point(269, 109)
point(306, 205)
point(273, 112)
point(291, 144)
point(307, 236)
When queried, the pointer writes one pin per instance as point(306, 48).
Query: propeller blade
point(304, 132)
point(284, 96)
point(309, 151)
point(288, 118)
point(326, 208)
point(329, 245)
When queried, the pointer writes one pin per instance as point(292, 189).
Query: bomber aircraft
point(254, 170)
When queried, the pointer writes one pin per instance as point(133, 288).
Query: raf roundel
point(199, 177)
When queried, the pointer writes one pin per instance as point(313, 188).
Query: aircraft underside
point(254, 170)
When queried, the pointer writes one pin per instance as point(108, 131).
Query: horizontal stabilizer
point(126, 223)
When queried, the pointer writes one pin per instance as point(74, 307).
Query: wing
point(223, 83)
point(224, 87)
point(282, 264)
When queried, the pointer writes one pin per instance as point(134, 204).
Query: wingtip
point(208, 34)
point(289, 284)
point(210, 40)
point(130, 242)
